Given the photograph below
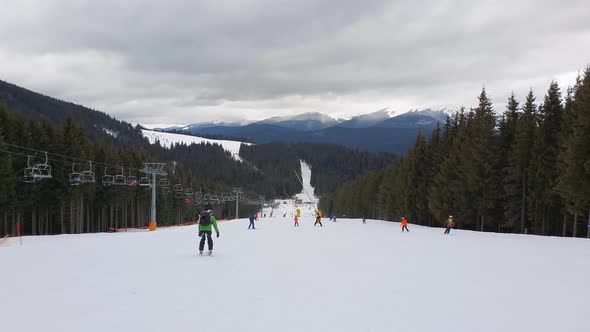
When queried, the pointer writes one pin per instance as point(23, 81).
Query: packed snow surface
point(345, 276)
point(168, 139)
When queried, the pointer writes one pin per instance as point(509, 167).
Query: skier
point(364, 220)
point(206, 219)
point(334, 218)
point(252, 218)
point(404, 225)
point(318, 219)
point(450, 224)
point(296, 221)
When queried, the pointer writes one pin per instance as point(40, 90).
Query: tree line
point(526, 171)
point(54, 206)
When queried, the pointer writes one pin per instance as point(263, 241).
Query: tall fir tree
point(544, 172)
point(574, 180)
point(516, 180)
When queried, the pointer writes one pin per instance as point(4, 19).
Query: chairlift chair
point(178, 195)
point(164, 182)
point(75, 177)
point(28, 176)
point(120, 179)
point(144, 181)
point(188, 192)
point(42, 171)
point(131, 180)
point(177, 188)
point(88, 176)
point(107, 179)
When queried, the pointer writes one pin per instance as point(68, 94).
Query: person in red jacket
point(404, 225)
point(296, 221)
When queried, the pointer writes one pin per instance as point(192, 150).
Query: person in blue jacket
point(251, 225)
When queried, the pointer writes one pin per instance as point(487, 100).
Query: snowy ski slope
point(168, 139)
point(345, 276)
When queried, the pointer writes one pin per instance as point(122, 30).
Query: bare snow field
point(345, 276)
point(168, 139)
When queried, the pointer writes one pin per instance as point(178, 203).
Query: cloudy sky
point(186, 61)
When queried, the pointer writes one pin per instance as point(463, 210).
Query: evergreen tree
point(516, 180)
point(543, 168)
point(574, 181)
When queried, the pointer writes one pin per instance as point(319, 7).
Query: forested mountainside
point(79, 140)
point(528, 172)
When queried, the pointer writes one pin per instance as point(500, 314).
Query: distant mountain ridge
point(380, 131)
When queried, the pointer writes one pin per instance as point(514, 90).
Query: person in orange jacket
point(404, 225)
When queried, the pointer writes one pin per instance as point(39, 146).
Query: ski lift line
point(61, 161)
point(85, 161)
point(303, 186)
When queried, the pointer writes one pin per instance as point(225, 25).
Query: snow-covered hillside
point(345, 276)
point(168, 139)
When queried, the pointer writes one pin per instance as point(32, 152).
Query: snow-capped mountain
point(305, 121)
point(367, 120)
point(367, 131)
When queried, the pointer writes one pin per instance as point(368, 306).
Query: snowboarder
point(404, 225)
point(206, 219)
point(296, 221)
point(450, 224)
point(251, 225)
point(318, 219)
point(364, 220)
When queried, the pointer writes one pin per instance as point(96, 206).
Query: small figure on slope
point(296, 219)
point(450, 224)
point(252, 218)
point(334, 218)
point(404, 225)
point(318, 219)
point(206, 219)
point(364, 220)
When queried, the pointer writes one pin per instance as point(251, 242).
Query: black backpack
point(205, 218)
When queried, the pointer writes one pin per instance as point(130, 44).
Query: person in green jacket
point(206, 219)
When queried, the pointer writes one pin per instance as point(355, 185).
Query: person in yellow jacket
point(450, 224)
point(318, 219)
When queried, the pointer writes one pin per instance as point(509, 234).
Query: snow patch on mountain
point(169, 139)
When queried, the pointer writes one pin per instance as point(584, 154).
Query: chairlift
point(178, 195)
point(164, 182)
point(88, 176)
point(188, 192)
point(42, 171)
point(107, 179)
point(28, 176)
point(177, 188)
point(131, 180)
point(120, 179)
point(144, 181)
point(198, 194)
point(75, 177)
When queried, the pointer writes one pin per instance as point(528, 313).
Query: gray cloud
point(187, 61)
